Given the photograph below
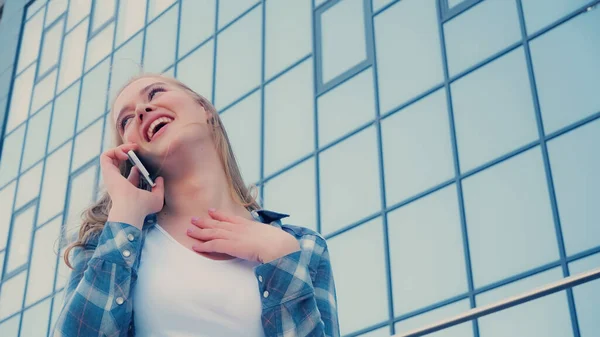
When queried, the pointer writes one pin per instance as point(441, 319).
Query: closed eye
point(154, 91)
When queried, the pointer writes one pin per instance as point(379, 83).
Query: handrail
point(567, 282)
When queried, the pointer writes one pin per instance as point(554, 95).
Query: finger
point(216, 246)
point(211, 223)
point(222, 216)
point(134, 175)
point(159, 188)
point(208, 234)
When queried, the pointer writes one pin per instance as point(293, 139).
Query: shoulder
point(308, 238)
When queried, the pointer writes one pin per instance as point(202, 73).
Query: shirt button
point(120, 300)
point(126, 253)
point(266, 294)
point(260, 278)
point(130, 237)
point(150, 220)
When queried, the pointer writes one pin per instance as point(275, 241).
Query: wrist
point(126, 215)
point(289, 246)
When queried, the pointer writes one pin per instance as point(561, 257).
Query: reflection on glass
point(37, 135)
point(416, 148)
point(43, 262)
point(35, 319)
point(87, 144)
point(346, 107)
point(508, 212)
point(231, 10)
point(343, 40)
point(93, 95)
point(426, 251)
point(132, 14)
point(480, 32)
point(448, 311)
point(80, 196)
point(44, 91)
point(239, 58)
point(156, 7)
point(63, 117)
point(587, 296)
point(349, 176)
point(11, 155)
point(196, 70)
point(288, 35)
point(29, 185)
point(51, 49)
point(78, 9)
point(243, 125)
point(575, 165)
point(294, 192)
point(408, 51)
point(54, 188)
point(20, 241)
point(193, 31)
point(361, 292)
point(541, 13)
point(161, 39)
point(7, 197)
point(567, 71)
point(73, 55)
point(289, 118)
point(30, 42)
point(99, 46)
point(547, 316)
point(493, 110)
point(21, 98)
point(127, 62)
point(103, 11)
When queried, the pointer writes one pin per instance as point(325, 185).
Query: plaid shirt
point(297, 290)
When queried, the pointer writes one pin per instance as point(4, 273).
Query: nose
point(142, 112)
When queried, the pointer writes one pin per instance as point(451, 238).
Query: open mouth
point(156, 126)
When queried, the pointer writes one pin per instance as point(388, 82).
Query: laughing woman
point(194, 255)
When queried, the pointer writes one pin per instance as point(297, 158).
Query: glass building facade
point(447, 149)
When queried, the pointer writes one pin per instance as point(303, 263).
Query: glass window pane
point(55, 9)
point(361, 292)
point(64, 272)
point(29, 185)
point(11, 155)
point(78, 9)
point(161, 39)
point(243, 125)
point(294, 192)
point(239, 55)
point(288, 35)
point(426, 252)
point(230, 10)
point(480, 32)
point(156, 7)
point(7, 198)
point(436, 315)
point(196, 70)
point(379, 4)
point(87, 145)
point(1, 264)
point(35, 320)
point(493, 110)
point(343, 41)
point(30, 43)
point(453, 3)
point(507, 211)
point(80, 196)
point(193, 31)
point(108, 136)
point(20, 241)
point(93, 95)
point(350, 188)
point(43, 92)
point(51, 50)
point(567, 72)
point(408, 51)
point(10, 327)
point(127, 62)
point(587, 296)
point(103, 11)
point(547, 316)
point(416, 148)
point(34, 7)
point(43, 262)
point(346, 107)
point(132, 14)
point(99, 46)
point(289, 118)
point(37, 135)
point(54, 188)
point(63, 117)
point(540, 13)
point(382, 332)
point(73, 55)
point(575, 165)
point(56, 308)
point(21, 98)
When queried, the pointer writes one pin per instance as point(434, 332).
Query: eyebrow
point(128, 107)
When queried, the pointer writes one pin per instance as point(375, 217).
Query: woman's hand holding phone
point(130, 204)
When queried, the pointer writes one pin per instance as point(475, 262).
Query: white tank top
point(181, 293)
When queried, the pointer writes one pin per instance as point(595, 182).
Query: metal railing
point(548, 289)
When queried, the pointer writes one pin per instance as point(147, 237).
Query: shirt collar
point(262, 215)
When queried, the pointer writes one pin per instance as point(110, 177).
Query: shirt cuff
point(119, 243)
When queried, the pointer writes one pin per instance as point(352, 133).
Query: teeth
point(155, 123)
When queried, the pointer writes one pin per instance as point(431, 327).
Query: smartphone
point(145, 176)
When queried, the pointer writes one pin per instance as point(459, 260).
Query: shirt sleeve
point(97, 295)
point(298, 292)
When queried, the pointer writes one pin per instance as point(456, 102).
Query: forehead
point(132, 91)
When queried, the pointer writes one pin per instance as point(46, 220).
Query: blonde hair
point(95, 216)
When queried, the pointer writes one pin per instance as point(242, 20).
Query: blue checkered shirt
point(301, 301)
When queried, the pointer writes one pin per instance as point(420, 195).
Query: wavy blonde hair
point(95, 216)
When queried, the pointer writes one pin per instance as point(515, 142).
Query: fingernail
point(194, 219)
point(212, 210)
point(190, 230)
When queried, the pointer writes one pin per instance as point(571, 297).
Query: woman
point(195, 255)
